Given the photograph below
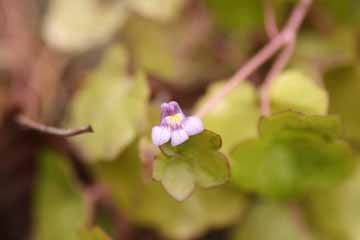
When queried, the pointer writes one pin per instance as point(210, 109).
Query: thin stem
point(277, 67)
point(91, 197)
point(298, 15)
point(293, 24)
point(270, 20)
point(283, 38)
point(99, 195)
point(95, 193)
point(243, 73)
point(298, 219)
point(30, 124)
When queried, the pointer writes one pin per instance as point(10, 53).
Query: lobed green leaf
point(294, 155)
point(114, 103)
point(195, 161)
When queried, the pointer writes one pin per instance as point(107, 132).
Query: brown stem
point(283, 38)
point(98, 194)
point(95, 193)
point(30, 124)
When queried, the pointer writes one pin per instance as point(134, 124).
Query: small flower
point(175, 125)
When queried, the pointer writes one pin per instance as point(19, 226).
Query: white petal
point(178, 137)
point(193, 125)
point(160, 135)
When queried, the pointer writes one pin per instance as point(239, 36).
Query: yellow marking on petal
point(175, 119)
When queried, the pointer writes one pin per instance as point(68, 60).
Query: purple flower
point(175, 125)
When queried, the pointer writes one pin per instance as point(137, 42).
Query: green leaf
point(177, 179)
point(150, 206)
point(74, 26)
point(151, 45)
point(294, 155)
point(197, 160)
point(238, 17)
point(328, 127)
point(94, 234)
point(335, 214)
point(343, 85)
point(150, 8)
point(59, 208)
point(294, 90)
point(164, 50)
point(114, 103)
point(238, 107)
point(346, 12)
point(268, 221)
point(322, 52)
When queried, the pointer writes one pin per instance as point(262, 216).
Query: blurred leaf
point(335, 214)
point(343, 85)
point(294, 90)
point(147, 204)
point(238, 107)
point(320, 52)
point(292, 156)
point(180, 52)
point(177, 177)
point(94, 234)
point(114, 103)
point(151, 8)
point(268, 221)
point(328, 127)
point(152, 46)
point(82, 24)
point(345, 12)
point(197, 160)
point(238, 17)
point(59, 208)
point(204, 210)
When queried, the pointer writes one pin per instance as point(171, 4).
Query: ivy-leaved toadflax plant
point(175, 126)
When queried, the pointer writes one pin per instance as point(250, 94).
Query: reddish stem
point(298, 218)
point(270, 20)
point(286, 36)
point(277, 67)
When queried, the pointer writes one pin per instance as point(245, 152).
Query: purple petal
point(165, 110)
point(175, 107)
point(178, 136)
point(193, 125)
point(160, 135)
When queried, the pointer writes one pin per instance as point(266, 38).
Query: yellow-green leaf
point(195, 161)
point(59, 207)
point(114, 103)
point(268, 221)
point(293, 158)
point(343, 85)
point(335, 214)
point(79, 25)
point(147, 204)
point(94, 234)
point(235, 117)
point(295, 90)
point(151, 8)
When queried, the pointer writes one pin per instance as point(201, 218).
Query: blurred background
point(111, 63)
